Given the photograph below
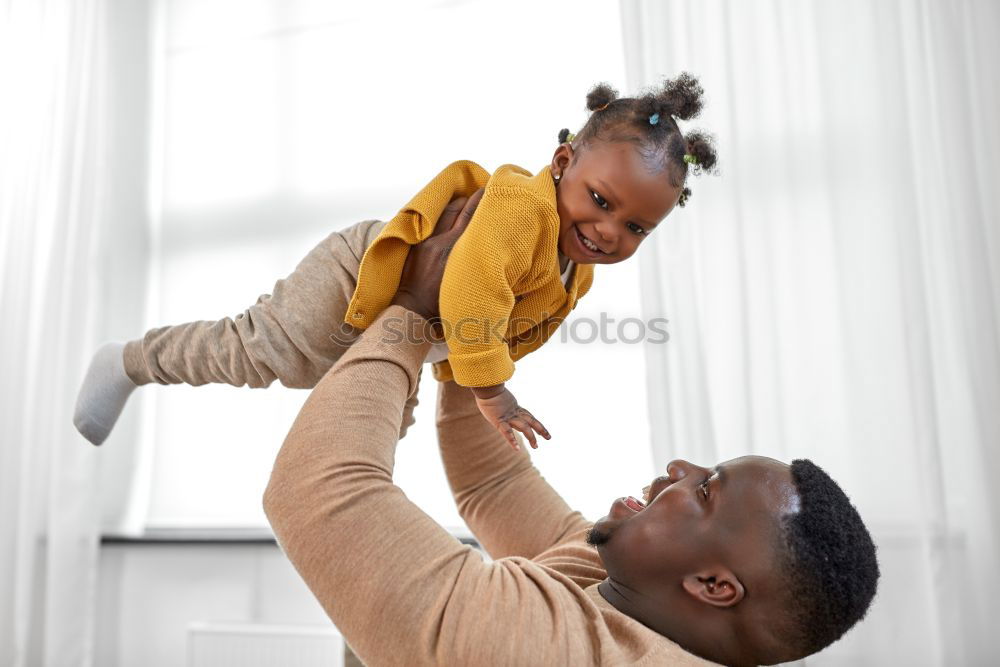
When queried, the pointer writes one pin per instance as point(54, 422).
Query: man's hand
point(419, 291)
point(420, 284)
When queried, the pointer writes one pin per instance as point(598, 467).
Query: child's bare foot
point(103, 394)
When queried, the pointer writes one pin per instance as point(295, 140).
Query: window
point(283, 121)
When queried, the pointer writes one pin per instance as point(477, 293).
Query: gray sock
point(103, 394)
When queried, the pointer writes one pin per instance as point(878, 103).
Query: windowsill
point(189, 536)
point(220, 536)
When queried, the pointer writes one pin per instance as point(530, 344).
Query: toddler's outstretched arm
point(501, 409)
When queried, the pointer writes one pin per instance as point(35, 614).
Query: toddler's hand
point(505, 414)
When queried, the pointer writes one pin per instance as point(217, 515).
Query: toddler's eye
point(636, 229)
point(599, 200)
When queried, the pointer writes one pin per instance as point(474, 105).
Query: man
point(750, 562)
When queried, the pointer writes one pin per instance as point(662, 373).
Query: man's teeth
point(635, 504)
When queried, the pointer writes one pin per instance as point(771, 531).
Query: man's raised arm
point(350, 532)
point(402, 590)
point(502, 497)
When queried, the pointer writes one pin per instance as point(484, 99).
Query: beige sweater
point(397, 585)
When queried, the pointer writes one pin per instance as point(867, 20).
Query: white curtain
point(835, 292)
point(51, 166)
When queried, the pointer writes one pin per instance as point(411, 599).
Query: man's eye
point(704, 488)
point(636, 229)
point(599, 200)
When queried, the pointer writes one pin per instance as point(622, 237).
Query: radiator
point(211, 644)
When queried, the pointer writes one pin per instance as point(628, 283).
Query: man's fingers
point(467, 210)
point(454, 223)
point(450, 215)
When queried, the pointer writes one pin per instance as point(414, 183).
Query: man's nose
point(678, 469)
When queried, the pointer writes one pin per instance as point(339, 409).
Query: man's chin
point(598, 536)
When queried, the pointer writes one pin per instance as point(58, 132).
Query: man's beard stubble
point(596, 538)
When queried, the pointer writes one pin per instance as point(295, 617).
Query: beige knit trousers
point(294, 335)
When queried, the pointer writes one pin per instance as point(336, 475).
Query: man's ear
point(562, 157)
point(718, 587)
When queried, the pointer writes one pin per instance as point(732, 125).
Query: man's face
point(697, 521)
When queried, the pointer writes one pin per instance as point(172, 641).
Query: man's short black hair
point(829, 562)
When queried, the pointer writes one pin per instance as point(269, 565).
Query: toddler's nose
point(606, 237)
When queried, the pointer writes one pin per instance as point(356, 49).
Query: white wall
point(148, 594)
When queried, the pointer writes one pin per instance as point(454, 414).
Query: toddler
point(525, 259)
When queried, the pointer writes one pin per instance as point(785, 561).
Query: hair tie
point(570, 137)
point(602, 108)
point(690, 159)
point(654, 119)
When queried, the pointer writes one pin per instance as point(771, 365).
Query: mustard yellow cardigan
point(501, 294)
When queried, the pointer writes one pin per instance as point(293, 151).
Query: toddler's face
point(608, 201)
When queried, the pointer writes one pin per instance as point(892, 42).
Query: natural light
point(273, 138)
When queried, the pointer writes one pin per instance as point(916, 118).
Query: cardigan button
point(358, 315)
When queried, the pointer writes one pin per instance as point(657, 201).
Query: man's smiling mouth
point(635, 504)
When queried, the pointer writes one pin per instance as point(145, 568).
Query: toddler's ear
point(562, 157)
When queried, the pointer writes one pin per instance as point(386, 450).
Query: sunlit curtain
point(52, 124)
point(835, 292)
